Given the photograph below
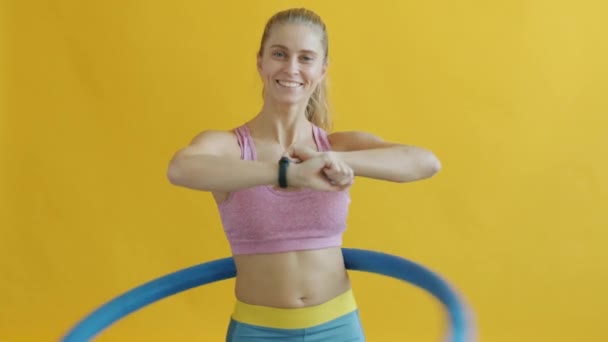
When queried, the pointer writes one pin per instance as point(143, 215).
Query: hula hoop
point(459, 329)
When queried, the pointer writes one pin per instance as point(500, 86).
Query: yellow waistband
point(297, 318)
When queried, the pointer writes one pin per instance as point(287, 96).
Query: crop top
point(264, 219)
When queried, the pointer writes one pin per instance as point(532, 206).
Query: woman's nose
point(292, 66)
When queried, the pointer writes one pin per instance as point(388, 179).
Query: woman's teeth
point(289, 84)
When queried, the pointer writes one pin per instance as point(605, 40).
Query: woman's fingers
point(339, 173)
point(323, 172)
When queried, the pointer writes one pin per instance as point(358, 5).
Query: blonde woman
point(281, 184)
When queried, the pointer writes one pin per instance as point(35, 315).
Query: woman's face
point(292, 63)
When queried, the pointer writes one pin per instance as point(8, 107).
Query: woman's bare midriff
point(292, 279)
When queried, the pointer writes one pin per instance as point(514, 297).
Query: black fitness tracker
point(283, 164)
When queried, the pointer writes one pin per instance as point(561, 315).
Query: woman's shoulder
point(214, 135)
point(215, 141)
point(221, 135)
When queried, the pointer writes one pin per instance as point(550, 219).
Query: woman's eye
point(307, 58)
point(278, 54)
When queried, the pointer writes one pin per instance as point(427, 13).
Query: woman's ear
point(324, 69)
point(259, 63)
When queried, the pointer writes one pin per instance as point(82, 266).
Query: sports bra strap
point(245, 142)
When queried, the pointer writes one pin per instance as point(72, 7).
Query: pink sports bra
point(263, 219)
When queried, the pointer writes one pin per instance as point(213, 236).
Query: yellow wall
point(511, 95)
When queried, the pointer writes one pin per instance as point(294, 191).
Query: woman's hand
point(334, 171)
point(338, 172)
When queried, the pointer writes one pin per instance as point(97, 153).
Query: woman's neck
point(283, 125)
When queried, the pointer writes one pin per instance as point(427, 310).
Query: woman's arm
point(366, 155)
point(212, 162)
point(370, 156)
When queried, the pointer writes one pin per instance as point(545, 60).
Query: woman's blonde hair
point(317, 110)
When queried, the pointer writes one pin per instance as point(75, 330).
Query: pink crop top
point(264, 219)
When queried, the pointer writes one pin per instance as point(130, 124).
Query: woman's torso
point(287, 279)
point(291, 279)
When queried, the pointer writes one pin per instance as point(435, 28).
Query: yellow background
point(511, 95)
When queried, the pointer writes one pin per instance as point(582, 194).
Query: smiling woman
point(284, 221)
point(299, 44)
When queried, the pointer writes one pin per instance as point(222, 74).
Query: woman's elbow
point(432, 165)
point(426, 165)
point(174, 172)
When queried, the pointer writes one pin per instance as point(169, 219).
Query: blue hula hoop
point(459, 329)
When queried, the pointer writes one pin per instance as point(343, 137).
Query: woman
point(281, 184)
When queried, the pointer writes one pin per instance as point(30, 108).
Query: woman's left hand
point(338, 172)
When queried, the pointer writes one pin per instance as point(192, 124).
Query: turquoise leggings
point(346, 328)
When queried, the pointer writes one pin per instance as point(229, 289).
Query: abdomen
point(291, 279)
